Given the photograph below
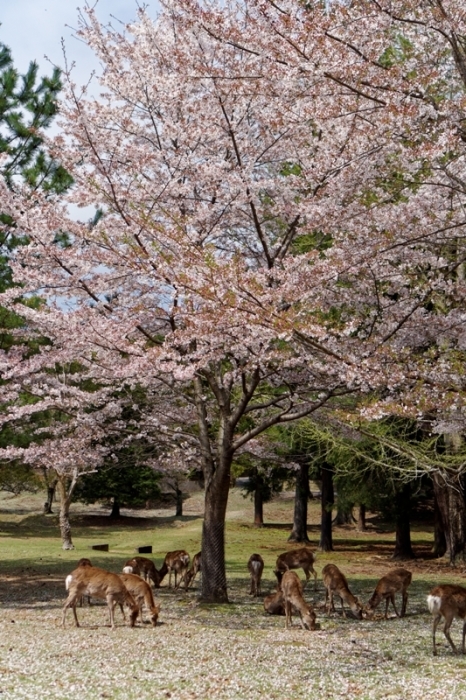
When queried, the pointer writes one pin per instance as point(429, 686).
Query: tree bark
point(362, 527)
point(115, 512)
point(258, 506)
point(299, 531)
point(179, 502)
point(440, 542)
point(327, 501)
point(50, 496)
point(214, 582)
point(403, 548)
point(64, 514)
point(344, 516)
point(216, 467)
point(449, 493)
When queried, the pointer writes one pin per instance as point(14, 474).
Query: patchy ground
point(233, 651)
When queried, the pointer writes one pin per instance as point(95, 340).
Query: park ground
point(205, 652)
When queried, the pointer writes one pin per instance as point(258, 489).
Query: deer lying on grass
point(142, 593)
point(193, 571)
point(89, 580)
point(145, 568)
point(396, 580)
point(448, 602)
point(292, 591)
point(255, 568)
point(176, 562)
point(336, 584)
point(295, 559)
point(274, 604)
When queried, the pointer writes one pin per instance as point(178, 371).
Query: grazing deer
point(81, 562)
point(145, 568)
point(193, 571)
point(142, 593)
point(396, 580)
point(274, 604)
point(295, 559)
point(448, 602)
point(89, 580)
point(176, 562)
point(292, 590)
point(336, 584)
point(255, 568)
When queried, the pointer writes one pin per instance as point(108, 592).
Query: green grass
point(204, 651)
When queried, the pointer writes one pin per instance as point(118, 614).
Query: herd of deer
point(132, 588)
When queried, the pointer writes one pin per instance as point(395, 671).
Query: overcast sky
point(33, 29)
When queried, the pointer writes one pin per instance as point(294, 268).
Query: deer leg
point(111, 607)
point(392, 598)
point(71, 602)
point(446, 631)
point(315, 577)
point(343, 608)
point(464, 635)
point(387, 600)
point(404, 603)
point(287, 614)
point(437, 619)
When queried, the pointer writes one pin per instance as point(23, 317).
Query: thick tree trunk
point(362, 527)
point(344, 515)
point(179, 502)
point(115, 512)
point(403, 549)
point(64, 514)
point(326, 541)
point(449, 493)
point(440, 542)
point(299, 532)
point(258, 507)
point(50, 496)
point(214, 582)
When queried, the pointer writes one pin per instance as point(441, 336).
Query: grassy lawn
point(197, 651)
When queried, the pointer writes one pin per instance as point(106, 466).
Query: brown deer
point(295, 559)
point(176, 562)
point(145, 568)
point(82, 562)
point(255, 568)
point(142, 593)
point(449, 602)
point(193, 571)
point(336, 584)
point(274, 604)
point(394, 581)
point(89, 580)
point(292, 590)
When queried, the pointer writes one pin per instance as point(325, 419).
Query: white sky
point(33, 29)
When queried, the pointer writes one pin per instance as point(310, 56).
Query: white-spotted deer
point(448, 602)
point(145, 568)
point(255, 568)
point(274, 604)
point(292, 590)
point(98, 583)
point(336, 584)
point(142, 593)
point(396, 580)
point(176, 562)
point(301, 558)
point(193, 571)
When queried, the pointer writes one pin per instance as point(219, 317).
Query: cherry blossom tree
point(279, 207)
